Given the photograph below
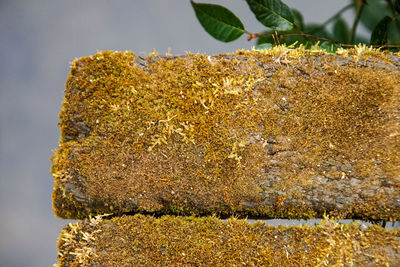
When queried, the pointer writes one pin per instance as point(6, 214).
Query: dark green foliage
point(269, 37)
point(272, 13)
point(380, 34)
point(373, 12)
point(316, 29)
point(218, 21)
point(286, 25)
point(341, 31)
point(263, 46)
point(298, 18)
point(397, 5)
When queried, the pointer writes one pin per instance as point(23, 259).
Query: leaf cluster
point(285, 25)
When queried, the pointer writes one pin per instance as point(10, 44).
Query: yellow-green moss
point(188, 241)
point(182, 133)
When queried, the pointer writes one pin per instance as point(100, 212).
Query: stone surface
point(282, 133)
point(188, 241)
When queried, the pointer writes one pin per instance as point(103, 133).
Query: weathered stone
point(231, 134)
point(188, 241)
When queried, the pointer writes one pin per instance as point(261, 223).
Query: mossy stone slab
point(285, 133)
point(188, 241)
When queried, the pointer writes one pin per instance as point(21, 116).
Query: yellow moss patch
point(142, 241)
point(192, 134)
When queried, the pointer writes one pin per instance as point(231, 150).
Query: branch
point(362, 3)
point(332, 18)
point(318, 38)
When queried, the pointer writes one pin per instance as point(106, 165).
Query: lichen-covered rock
point(188, 241)
point(278, 133)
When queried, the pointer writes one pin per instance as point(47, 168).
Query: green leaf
point(219, 21)
point(397, 6)
point(380, 33)
point(394, 33)
point(265, 38)
point(341, 31)
point(329, 47)
point(373, 12)
point(272, 13)
point(298, 18)
point(316, 29)
point(263, 46)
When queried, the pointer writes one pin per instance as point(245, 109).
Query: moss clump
point(246, 133)
point(144, 240)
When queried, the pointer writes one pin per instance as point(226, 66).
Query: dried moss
point(197, 134)
point(147, 241)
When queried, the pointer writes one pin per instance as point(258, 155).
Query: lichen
point(208, 241)
point(77, 240)
point(190, 134)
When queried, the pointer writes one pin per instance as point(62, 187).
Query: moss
point(189, 134)
point(144, 240)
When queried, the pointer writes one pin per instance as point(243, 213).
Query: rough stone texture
point(283, 133)
point(188, 241)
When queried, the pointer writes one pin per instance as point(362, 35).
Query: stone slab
point(282, 133)
point(188, 241)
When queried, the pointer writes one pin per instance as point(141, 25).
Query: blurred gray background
point(38, 41)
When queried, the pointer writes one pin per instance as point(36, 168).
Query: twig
point(362, 3)
point(281, 36)
point(332, 18)
point(319, 38)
